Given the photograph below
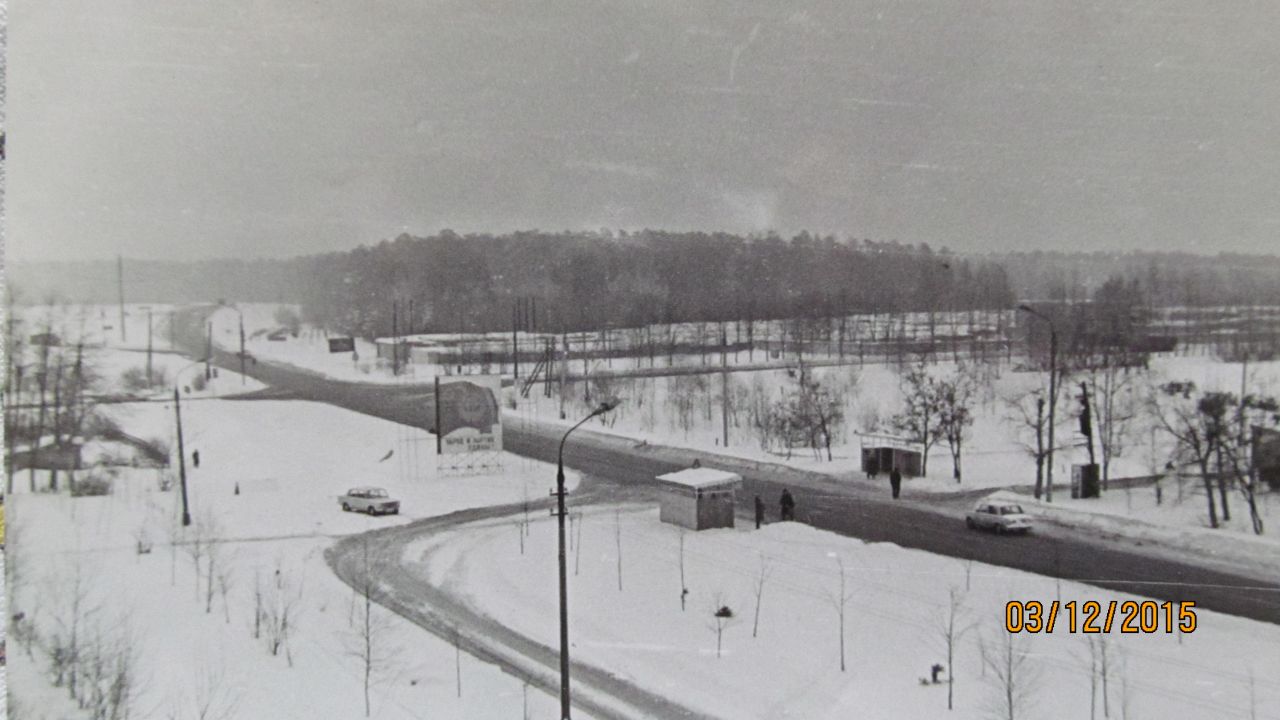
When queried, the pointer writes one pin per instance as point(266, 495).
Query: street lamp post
point(1053, 388)
point(182, 454)
point(564, 580)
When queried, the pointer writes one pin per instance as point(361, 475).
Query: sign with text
point(468, 414)
point(342, 344)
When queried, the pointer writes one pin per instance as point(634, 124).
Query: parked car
point(999, 516)
point(372, 500)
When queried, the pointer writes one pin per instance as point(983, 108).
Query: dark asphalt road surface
point(844, 508)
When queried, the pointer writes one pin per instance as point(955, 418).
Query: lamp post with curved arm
point(1053, 388)
point(182, 456)
point(603, 408)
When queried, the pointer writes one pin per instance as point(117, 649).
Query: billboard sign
point(468, 415)
point(342, 344)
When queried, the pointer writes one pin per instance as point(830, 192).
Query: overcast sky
point(192, 128)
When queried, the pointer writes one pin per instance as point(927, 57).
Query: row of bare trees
point(49, 379)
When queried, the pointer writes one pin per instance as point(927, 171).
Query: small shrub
point(92, 486)
point(135, 378)
point(198, 383)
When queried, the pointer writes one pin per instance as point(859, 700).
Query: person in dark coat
point(788, 506)
point(895, 482)
point(873, 467)
point(195, 457)
point(759, 512)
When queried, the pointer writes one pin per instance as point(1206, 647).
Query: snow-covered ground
point(290, 461)
point(996, 454)
point(1226, 668)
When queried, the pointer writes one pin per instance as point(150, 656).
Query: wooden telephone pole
point(120, 290)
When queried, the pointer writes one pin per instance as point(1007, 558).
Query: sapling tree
point(762, 576)
point(951, 625)
point(1011, 672)
point(281, 605)
point(839, 599)
point(617, 536)
point(370, 643)
point(212, 697)
point(722, 617)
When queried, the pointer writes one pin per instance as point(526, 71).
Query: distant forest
point(578, 281)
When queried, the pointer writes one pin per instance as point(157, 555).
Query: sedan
point(1000, 517)
point(372, 500)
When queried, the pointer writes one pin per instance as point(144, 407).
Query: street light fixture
point(182, 454)
point(1053, 387)
point(603, 408)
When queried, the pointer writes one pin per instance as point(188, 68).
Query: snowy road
point(840, 507)
point(599, 693)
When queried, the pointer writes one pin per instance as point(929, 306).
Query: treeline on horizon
point(589, 280)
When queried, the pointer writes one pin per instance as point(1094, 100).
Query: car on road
point(998, 516)
point(372, 500)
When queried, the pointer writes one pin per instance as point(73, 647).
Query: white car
point(999, 516)
point(372, 500)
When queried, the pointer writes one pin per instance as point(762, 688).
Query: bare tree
point(1012, 674)
point(1094, 660)
point(617, 536)
point(920, 419)
point(1201, 424)
point(954, 397)
point(722, 617)
point(213, 697)
point(684, 589)
point(762, 576)
point(282, 603)
point(1115, 406)
point(1028, 410)
point(951, 625)
point(225, 580)
point(371, 644)
point(840, 601)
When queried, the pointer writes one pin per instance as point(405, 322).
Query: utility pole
point(439, 431)
point(182, 458)
point(1053, 401)
point(242, 355)
point(564, 369)
point(148, 347)
point(515, 338)
point(724, 386)
point(395, 332)
point(208, 350)
point(120, 289)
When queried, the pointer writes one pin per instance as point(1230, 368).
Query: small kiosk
point(698, 498)
point(882, 459)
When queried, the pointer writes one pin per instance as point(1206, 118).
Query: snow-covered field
point(996, 454)
point(290, 461)
point(1226, 668)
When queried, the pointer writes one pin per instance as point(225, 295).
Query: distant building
point(698, 498)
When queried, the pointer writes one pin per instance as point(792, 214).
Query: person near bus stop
point(873, 467)
point(759, 512)
point(788, 506)
point(895, 481)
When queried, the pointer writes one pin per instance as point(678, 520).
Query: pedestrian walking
point(195, 458)
point(759, 512)
point(788, 506)
point(873, 467)
point(895, 482)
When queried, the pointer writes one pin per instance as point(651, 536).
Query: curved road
point(841, 507)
